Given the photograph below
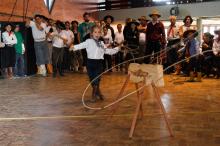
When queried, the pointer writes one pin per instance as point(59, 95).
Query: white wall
point(208, 9)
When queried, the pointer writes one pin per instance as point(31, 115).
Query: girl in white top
point(8, 52)
point(119, 40)
point(95, 53)
point(108, 41)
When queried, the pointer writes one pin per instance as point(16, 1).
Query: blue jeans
point(94, 69)
point(19, 65)
point(41, 52)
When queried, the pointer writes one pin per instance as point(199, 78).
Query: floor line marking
point(95, 116)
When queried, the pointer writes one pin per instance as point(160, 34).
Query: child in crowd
point(19, 48)
point(95, 53)
point(8, 52)
point(192, 48)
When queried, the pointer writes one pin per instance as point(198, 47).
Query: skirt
point(7, 57)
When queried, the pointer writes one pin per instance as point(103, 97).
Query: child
point(8, 52)
point(19, 48)
point(191, 49)
point(95, 53)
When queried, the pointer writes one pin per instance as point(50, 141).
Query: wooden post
point(134, 121)
point(162, 108)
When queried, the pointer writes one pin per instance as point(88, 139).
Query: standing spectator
point(119, 40)
point(173, 39)
point(20, 49)
point(216, 51)
point(186, 26)
point(132, 37)
point(125, 31)
point(142, 28)
point(67, 56)
point(84, 30)
point(110, 31)
point(50, 29)
point(155, 36)
point(108, 42)
point(207, 57)
point(8, 52)
point(59, 39)
point(40, 43)
point(108, 21)
point(77, 56)
point(2, 45)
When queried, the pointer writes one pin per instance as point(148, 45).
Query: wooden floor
point(39, 111)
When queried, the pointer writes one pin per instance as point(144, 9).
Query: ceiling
point(124, 4)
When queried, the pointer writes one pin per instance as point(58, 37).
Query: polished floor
point(37, 111)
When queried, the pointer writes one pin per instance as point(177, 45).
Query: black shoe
point(54, 74)
point(94, 91)
point(61, 74)
point(99, 94)
point(93, 99)
point(101, 97)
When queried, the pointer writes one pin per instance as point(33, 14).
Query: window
point(205, 29)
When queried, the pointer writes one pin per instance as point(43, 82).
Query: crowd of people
point(53, 41)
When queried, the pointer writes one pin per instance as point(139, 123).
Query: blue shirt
point(194, 47)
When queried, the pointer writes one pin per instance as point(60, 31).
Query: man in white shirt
point(40, 43)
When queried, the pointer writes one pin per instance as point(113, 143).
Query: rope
point(23, 10)
point(12, 10)
point(25, 16)
point(122, 98)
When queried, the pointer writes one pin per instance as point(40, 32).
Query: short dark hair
point(86, 13)
point(37, 15)
point(105, 27)
point(67, 22)
point(188, 16)
point(75, 22)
